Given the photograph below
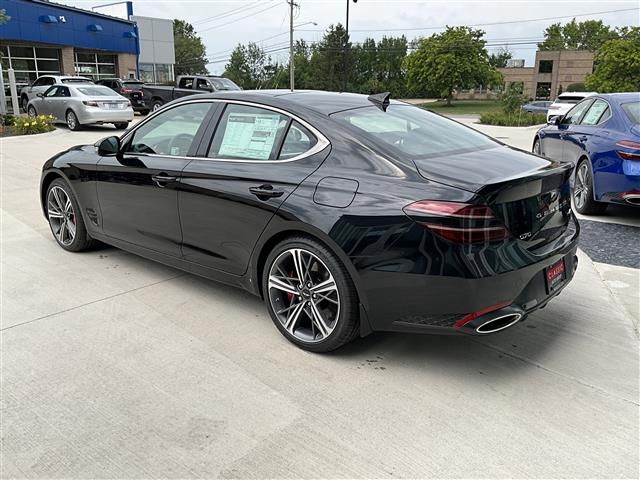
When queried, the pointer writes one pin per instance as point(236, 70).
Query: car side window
point(248, 133)
point(186, 82)
point(573, 116)
point(598, 112)
point(298, 141)
point(203, 84)
point(171, 132)
point(52, 92)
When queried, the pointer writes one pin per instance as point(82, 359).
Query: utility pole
point(345, 75)
point(291, 68)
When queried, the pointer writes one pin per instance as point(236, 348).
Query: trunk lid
point(529, 194)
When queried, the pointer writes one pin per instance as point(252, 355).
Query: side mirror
point(108, 147)
point(558, 120)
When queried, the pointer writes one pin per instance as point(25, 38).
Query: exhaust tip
point(499, 323)
point(632, 199)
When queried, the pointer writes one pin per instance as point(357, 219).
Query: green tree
point(454, 59)
point(191, 57)
point(513, 97)
point(588, 35)
point(391, 52)
point(617, 65)
point(332, 59)
point(251, 68)
point(500, 58)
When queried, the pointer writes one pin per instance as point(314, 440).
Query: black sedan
point(345, 213)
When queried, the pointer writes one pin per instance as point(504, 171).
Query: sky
point(267, 21)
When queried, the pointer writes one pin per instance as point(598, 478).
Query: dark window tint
point(632, 110)
point(298, 141)
point(203, 84)
point(573, 116)
point(186, 82)
point(569, 99)
point(170, 132)
point(43, 81)
point(598, 112)
point(75, 80)
point(248, 133)
point(52, 92)
point(414, 131)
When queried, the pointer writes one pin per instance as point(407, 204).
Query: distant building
point(553, 72)
point(50, 38)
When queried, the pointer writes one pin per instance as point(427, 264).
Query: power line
point(507, 22)
point(239, 18)
point(227, 13)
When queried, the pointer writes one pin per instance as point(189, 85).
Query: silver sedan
point(78, 105)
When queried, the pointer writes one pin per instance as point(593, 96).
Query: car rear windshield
point(414, 131)
point(129, 83)
point(76, 80)
point(632, 109)
point(96, 91)
point(569, 99)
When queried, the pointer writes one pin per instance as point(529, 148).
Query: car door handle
point(162, 179)
point(265, 192)
point(583, 138)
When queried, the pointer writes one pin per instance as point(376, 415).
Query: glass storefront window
point(95, 65)
point(22, 52)
point(28, 62)
point(156, 73)
point(51, 53)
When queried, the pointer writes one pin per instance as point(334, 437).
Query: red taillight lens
point(458, 222)
point(628, 155)
point(125, 90)
point(90, 103)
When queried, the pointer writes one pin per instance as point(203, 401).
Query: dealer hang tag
point(175, 150)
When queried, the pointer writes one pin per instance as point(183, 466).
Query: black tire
point(536, 147)
point(81, 241)
point(31, 111)
point(72, 121)
point(156, 104)
point(583, 197)
point(24, 101)
point(121, 125)
point(145, 112)
point(346, 325)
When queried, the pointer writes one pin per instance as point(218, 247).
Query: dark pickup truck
point(156, 96)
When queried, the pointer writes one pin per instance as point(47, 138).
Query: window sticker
point(595, 112)
point(249, 135)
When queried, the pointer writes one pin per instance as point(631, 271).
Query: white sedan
point(78, 105)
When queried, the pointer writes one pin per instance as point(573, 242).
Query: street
point(115, 366)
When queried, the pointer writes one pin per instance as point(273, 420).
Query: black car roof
point(319, 101)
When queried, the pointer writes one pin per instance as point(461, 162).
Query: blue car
point(601, 137)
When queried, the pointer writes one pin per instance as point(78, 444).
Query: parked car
point(564, 102)
point(601, 137)
point(345, 213)
point(43, 83)
point(131, 89)
point(78, 105)
point(186, 85)
point(538, 106)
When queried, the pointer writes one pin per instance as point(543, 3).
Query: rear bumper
point(434, 304)
point(105, 116)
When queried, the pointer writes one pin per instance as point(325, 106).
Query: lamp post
point(346, 40)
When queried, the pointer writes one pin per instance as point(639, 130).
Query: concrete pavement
point(114, 366)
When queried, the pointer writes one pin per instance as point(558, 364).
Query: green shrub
point(519, 119)
point(7, 120)
point(513, 98)
point(24, 125)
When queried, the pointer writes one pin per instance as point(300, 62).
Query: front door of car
point(138, 188)
point(252, 162)
point(54, 102)
point(567, 128)
point(577, 136)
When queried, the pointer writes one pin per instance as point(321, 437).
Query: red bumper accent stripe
point(479, 313)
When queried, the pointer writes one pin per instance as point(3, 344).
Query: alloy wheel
point(581, 188)
point(304, 295)
point(71, 120)
point(536, 147)
point(32, 112)
point(61, 215)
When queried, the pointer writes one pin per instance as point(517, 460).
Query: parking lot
point(115, 366)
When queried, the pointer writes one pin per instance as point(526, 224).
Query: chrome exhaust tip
point(499, 323)
point(632, 199)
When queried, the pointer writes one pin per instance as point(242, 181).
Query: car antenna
point(380, 100)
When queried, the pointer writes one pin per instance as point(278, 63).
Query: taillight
point(628, 155)
point(90, 103)
point(458, 222)
point(125, 90)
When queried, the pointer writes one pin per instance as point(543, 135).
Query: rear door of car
point(247, 166)
point(553, 139)
point(138, 189)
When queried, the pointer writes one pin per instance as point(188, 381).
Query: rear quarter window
point(632, 111)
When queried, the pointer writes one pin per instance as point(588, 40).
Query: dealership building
point(49, 38)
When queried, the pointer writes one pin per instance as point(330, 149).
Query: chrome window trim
point(320, 145)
